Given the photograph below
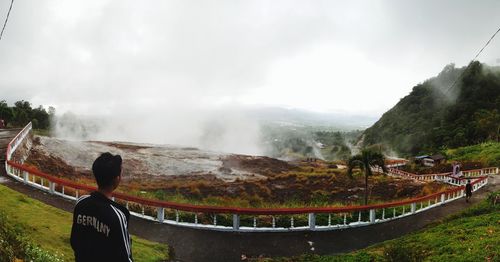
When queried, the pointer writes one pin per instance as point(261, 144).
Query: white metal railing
point(249, 219)
point(18, 140)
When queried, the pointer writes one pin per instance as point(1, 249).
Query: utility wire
point(478, 53)
point(6, 19)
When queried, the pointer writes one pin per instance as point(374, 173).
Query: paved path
point(203, 245)
point(6, 135)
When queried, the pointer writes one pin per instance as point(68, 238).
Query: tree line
point(434, 116)
point(22, 112)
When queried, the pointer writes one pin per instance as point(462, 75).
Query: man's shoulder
point(83, 200)
point(120, 208)
point(90, 201)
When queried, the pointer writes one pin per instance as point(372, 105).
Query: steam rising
point(443, 83)
point(170, 72)
point(210, 130)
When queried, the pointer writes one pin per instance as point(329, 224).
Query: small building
point(420, 159)
point(438, 159)
point(430, 161)
point(397, 163)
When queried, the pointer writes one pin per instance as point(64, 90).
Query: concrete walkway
point(6, 135)
point(204, 245)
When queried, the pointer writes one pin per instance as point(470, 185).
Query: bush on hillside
point(486, 153)
point(14, 244)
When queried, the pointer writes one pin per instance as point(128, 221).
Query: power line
point(6, 19)
point(478, 53)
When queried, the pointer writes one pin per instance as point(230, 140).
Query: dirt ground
point(272, 181)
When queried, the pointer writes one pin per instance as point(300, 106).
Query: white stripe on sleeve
point(123, 228)
point(81, 198)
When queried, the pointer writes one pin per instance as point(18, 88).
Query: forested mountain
point(435, 116)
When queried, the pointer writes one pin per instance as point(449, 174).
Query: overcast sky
point(332, 56)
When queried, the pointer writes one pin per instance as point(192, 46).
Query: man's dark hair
point(105, 168)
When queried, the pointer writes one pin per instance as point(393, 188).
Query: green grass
point(245, 201)
point(49, 227)
point(321, 197)
point(486, 153)
point(471, 235)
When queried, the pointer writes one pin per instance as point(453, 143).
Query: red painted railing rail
point(377, 212)
point(235, 210)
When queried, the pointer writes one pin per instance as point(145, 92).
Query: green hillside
point(487, 154)
point(435, 117)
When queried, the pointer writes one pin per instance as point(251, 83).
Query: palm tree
point(367, 160)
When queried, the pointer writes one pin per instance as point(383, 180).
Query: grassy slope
point(486, 153)
point(50, 227)
point(472, 235)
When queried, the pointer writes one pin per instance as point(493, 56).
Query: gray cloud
point(177, 59)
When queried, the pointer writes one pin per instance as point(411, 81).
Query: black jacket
point(100, 230)
point(468, 189)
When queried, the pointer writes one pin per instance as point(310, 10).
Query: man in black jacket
point(468, 191)
point(100, 225)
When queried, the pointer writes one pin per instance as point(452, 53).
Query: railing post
point(160, 214)
point(372, 215)
point(442, 198)
point(413, 207)
point(236, 222)
point(25, 176)
point(52, 187)
point(312, 220)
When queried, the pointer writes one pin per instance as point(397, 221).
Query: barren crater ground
point(193, 175)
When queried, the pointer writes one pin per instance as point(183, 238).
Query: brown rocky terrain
point(229, 179)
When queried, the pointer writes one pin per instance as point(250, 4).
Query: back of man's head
point(106, 168)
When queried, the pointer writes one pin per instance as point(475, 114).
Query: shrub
point(12, 242)
point(34, 253)
point(494, 198)
point(400, 251)
point(15, 245)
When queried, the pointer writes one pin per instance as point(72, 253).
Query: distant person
point(456, 169)
point(468, 191)
point(100, 225)
point(2, 123)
